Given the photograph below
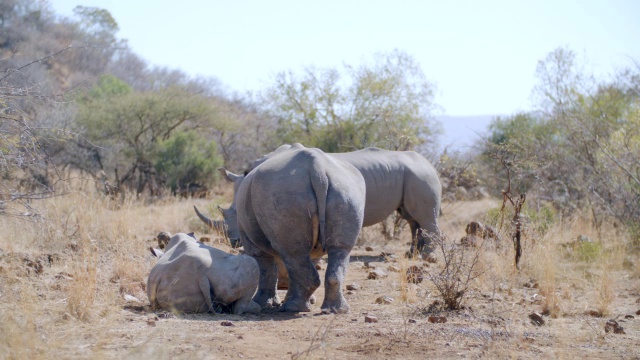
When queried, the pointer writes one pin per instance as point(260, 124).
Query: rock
point(638, 312)
point(437, 319)
point(415, 275)
point(368, 248)
point(226, 323)
point(629, 317)
point(377, 274)
point(584, 238)
point(128, 297)
point(393, 268)
point(349, 292)
point(470, 241)
point(614, 327)
point(64, 276)
point(593, 313)
point(204, 239)
point(536, 319)
point(412, 321)
point(370, 319)
point(385, 299)
point(353, 286)
point(354, 320)
point(312, 299)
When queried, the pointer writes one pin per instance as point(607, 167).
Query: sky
point(481, 55)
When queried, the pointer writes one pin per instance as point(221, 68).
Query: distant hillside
point(460, 132)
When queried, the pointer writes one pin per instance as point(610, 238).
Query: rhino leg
point(266, 294)
point(246, 305)
point(303, 281)
point(334, 301)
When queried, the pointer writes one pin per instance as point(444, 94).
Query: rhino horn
point(216, 225)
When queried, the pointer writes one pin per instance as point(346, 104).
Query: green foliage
point(588, 251)
point(187, 158)
point(387, 104)
point(541, 218)
point(108, 86)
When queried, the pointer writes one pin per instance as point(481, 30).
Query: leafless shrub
point(457, 273)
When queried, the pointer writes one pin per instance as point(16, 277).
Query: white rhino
point(192, 277)
point(402, 181)
point(298, 204)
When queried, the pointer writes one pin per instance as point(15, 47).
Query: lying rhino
point(402, 181)
point(299, 204)
point(192, 277)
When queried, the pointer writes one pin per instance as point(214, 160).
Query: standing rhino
point(192, 277)
point(402, 181)
point(298, 204)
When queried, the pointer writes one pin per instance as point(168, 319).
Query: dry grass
point(93, 252)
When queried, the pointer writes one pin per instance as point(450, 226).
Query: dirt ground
point(493, 323)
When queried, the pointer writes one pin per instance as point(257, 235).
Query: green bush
point(187, 158)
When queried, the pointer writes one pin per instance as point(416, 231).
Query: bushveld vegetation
point(100, 151)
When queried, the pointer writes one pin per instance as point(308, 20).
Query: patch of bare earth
point(88, 299)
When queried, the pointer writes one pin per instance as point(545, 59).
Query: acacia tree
point(387, 103)
point(127, 129)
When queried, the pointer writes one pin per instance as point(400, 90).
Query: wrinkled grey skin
point(190, 277)
point(402, 181)
point(300, 204)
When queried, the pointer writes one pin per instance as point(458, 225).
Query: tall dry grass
point(74, 265)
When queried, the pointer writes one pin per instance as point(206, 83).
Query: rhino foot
point(295, 306)
point(335, 307)
point(266, 298)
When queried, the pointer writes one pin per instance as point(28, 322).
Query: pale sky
point(481, 54)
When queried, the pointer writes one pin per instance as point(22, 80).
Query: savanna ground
point(72, 285)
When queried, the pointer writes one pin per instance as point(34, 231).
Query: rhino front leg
point(334, 301)
point(303, 281)
point(266, 294)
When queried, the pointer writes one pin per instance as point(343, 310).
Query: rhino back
point(392, 176)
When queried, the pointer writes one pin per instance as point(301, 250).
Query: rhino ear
point(229, 175)
point(155, 252)
point(193, 235)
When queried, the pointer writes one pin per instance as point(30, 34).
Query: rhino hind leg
point(303, 282)
point(334, 301)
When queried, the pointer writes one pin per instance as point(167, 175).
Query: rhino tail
point(320, 183)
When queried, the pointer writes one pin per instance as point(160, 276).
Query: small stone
point(385, 299)
point(226, 323)
point(128, 297)
point(370, 319)
point(594, 313)
point(536, 319)
point(414, 275)
point(377, 274)
point(204, 239)
point(353, 286)
point(437, 319)
point(412, 321)
point(629, 317)
point(368, 248)
point(614, 327)
point(349, 292)
point(354, 320)
point(393, 268)
point(638, 312)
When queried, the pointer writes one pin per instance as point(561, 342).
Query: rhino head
point(229, 226)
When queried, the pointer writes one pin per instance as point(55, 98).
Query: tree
point(388, 104)
point(128, 127)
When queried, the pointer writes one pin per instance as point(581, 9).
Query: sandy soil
point(494, 322)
